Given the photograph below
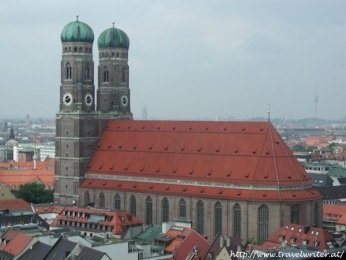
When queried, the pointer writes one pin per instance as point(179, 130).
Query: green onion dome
point(113, 38)
point(77, 32)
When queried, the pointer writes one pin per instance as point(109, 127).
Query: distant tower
point(113, 76)
point(76, 121)
point(144, 113)
point(316, 103)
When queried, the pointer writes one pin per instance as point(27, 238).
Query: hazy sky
point(188, 59)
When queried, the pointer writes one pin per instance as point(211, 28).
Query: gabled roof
point(242, 160)
point(333, 192)
point(61, 249)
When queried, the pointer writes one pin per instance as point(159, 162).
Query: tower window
point(105, 76)
point(65, 49)
point(68, 71)
point(80, 49)
point(117, 54)
point(112, 54)
point(123, 75)
point(69, 49)
point(75, 49)
point(87, 73)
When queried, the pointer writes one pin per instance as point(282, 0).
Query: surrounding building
point(334, 217)
point(14, 243)
point(235, 178)
point(92, 221)
point(298, 236)
point(14, 174)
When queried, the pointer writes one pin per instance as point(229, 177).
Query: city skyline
point(201, 59)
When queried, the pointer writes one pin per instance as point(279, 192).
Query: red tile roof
point(14, 204)
point(239, 153)
point(14, 242)
point(200, 191)
point(294, 235)
point(13, 174)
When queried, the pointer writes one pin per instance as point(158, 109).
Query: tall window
point(105, 75)
point(133, 205)
point(218, 218)
point(165, 210)
point(182, 208)
point(295, 212)
point(87, 72)
point(117, 202)
point(316, 216)
point(236, 220)
point(86, 198)
point(123, 75)
point(263, 223)
point(148, 211)
point(200, 217)
point(101, 200)
point(68, 71)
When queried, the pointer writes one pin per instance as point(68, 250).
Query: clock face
point(88, 99)
point(67, 99)
point(124, 100)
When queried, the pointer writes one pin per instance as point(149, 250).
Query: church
point(235, 178)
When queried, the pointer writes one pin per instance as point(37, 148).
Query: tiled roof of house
point(184, 241)
point(14, 174)
point(14, 204)
point(235, 153)
point(14, 242)
point(296, 235)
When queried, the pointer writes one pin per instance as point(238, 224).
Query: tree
point(34, 192)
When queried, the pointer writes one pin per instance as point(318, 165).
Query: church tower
point(113, 76)
point(76, 121)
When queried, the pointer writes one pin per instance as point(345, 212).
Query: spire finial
point(77, 16)
point(113, 24)
point(269, 113)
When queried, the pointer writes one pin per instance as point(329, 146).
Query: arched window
point(165, 210)
point(86, 198)
point(236, 220)
point(263, 223)
point(218, 218)
point(117, 202)
point(200, 217)
point(148, 211)
point(182, 208)
point(123, 75)
point(295, 212)
point(68, 71)
point(102, 200)
point(105, 75)
point(133, 205)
